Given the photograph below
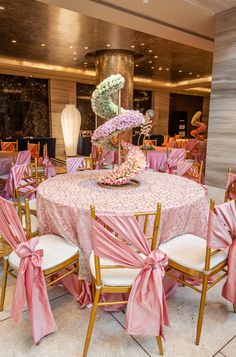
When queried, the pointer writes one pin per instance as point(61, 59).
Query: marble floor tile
point(108, 339)
point(219, 325)
point(230, 349)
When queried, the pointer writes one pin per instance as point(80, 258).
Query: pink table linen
point(157, 158)
point(63, 206)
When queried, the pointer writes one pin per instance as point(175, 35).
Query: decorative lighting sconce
point(70, 122)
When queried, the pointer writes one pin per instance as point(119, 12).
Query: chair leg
point(93, 290)
point(234, 307)
point(160, 347)
point(201, 309)
point(4, 284)
point(91, 322)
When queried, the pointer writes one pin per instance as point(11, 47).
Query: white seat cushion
point(189, 251)
point(32, 204)
point(33, 221)
point(4, 177)
point(56, 250)
point(114, 277)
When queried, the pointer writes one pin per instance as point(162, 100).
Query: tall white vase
point(70, 122)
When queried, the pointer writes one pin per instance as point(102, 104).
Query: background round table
point(63, 206)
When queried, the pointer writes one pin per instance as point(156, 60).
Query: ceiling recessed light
point(167, 69)
point(13, 41)
point(2, 8)
point(43, 45)
point(198, 75)
point(150, 51)
point(108, 44)
point(74, 53)
point(137, 65)
point(132, 46)
point(145, 1)
point(75, 58)
point(31, 75)
point(190, 73)
point(149, 61)
point(142, 44)
point(155, 56)
point(86, 47)
point(71, 46)
point(152, 67)
point(180, 70)
point(159, 68)
point(85, 63)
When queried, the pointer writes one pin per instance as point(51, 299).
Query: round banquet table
point(63, 206)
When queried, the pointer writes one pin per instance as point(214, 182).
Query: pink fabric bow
point(222, 234)
point(50, 170)
point(183, 167)
point(146, 309)
point(172, 161)
point(30, 278)
point(231, 180)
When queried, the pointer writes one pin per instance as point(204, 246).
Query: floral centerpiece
point(101, 102)
point(135, 162)
point(104, 133)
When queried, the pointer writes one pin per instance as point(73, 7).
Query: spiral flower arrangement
point(126, 121)
point(101, 101)
point(135, 162)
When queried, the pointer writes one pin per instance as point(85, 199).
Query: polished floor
point(109, 337)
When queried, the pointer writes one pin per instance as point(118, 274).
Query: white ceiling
point(214, 6)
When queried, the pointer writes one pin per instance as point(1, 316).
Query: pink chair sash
point(23, 157)
point(183, 167)
point(7, 146)
point(231, 180)
point(73, 163)
point(106, 157)
point(222, 234)
point(191, 144)
point(15, 176)
point(146, 310)
point(30, 278)
point(34, 150)
point(172, 161)
point(50, 170)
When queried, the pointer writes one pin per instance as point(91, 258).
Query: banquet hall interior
point(117, 178)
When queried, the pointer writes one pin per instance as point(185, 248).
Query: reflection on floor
point(109, 337)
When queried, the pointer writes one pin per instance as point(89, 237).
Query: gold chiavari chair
point(190, 256)
point(58, 256)
point(9, 145)
point(60, 166)
point(28, 219)
point(45, 150)
point(103, 272)
point(88, 163)
point(152, 142)
point(230, 190)
point(195, 172)
point(34, 148)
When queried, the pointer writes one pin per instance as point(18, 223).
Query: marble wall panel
point(221, 150)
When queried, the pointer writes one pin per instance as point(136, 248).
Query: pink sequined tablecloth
point(63, 206)
point(157, 158)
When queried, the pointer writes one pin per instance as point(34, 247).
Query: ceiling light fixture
point(74, 53)
point(75, 58)
point(85, 63)
point(145, 1)
point(167, 69)
point(159, 68)
point(132, 46)
point(142, 44)
point(137, 65)
point(155, 56)
point(190, 73)
point(180, 71)
point(198, 75)
point(108, 45)
point(71, 46)
point(86, 47)
point(150, 51)
point(2, 8)
point(152, 67)
point(43, 45)
point(149, 61)
point(13, 41)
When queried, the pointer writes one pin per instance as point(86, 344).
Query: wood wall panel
point(221, 150)
point(61, 93)
point(161, 109)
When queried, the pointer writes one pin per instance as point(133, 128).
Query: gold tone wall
point(60, 93)
point(161, 109)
